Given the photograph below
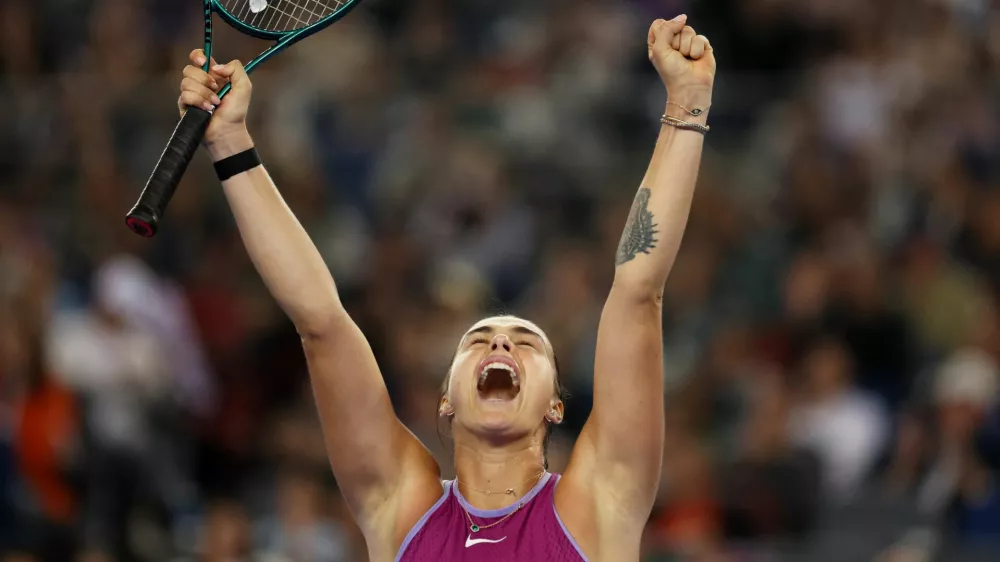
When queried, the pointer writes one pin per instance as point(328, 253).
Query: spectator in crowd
point(225, 535)
point(302, 530)
point(119, 372)
point(46, 449)
point(966, 390)
point(774, 487)
point(844, 425)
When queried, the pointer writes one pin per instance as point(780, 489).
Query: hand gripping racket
point(284, 21)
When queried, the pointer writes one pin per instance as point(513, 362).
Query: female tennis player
point(501, 390)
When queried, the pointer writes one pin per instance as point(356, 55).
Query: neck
point(481, 466)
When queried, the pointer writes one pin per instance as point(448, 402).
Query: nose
point(501, 341)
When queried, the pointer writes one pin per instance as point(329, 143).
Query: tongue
point(497, 386)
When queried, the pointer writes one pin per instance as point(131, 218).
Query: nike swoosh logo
point(469, 541)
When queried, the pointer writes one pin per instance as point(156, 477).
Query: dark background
point(831, 325)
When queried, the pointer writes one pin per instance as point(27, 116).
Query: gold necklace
point(473, 527)
point(476, 528)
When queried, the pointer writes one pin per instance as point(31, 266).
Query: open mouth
point(498, 381)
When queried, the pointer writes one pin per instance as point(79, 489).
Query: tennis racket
point(284, 21)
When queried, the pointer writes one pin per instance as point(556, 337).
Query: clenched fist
point(227, 132)
point(683, 59)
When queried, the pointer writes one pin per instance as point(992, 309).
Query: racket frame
point(144, 217)
point(284, 39)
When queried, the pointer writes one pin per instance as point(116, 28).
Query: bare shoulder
point(591, 506)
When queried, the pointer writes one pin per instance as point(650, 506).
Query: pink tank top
point(534, 533)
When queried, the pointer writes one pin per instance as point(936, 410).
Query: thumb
point(235, 72)
point(662, 32)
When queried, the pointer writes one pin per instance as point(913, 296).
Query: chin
point(499, 418)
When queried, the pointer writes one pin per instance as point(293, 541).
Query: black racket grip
point(144, 217)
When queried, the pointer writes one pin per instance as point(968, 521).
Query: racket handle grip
point(144, 218)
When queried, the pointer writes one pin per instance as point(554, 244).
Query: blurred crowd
point(832, 325)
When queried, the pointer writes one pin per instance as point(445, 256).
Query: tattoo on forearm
point(640, 229)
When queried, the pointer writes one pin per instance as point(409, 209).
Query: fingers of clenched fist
point(200, 88)
point(200, 77)
point(662, 33)
point(699, 46)
point(681, 56)
point(197, 58)
point(680, 37)
point(686, 37)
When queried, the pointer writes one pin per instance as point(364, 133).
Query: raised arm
point(621, 446)
point(369, 449)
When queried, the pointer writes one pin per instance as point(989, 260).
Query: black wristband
point(237, 163)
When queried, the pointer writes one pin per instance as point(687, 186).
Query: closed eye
point(528, 343)
point(475, 341)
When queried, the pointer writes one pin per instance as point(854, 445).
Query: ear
point(446, 409)
point(555, 413)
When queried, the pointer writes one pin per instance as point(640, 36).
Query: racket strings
point(281, 15)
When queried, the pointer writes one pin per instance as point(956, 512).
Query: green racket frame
point(145, 216)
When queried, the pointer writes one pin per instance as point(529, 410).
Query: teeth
point(501, 366)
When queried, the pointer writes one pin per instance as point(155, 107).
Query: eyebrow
point(516, 329)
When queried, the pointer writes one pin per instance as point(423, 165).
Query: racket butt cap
point(142, 223)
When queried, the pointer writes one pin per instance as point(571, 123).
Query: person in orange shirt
point(45, 422)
